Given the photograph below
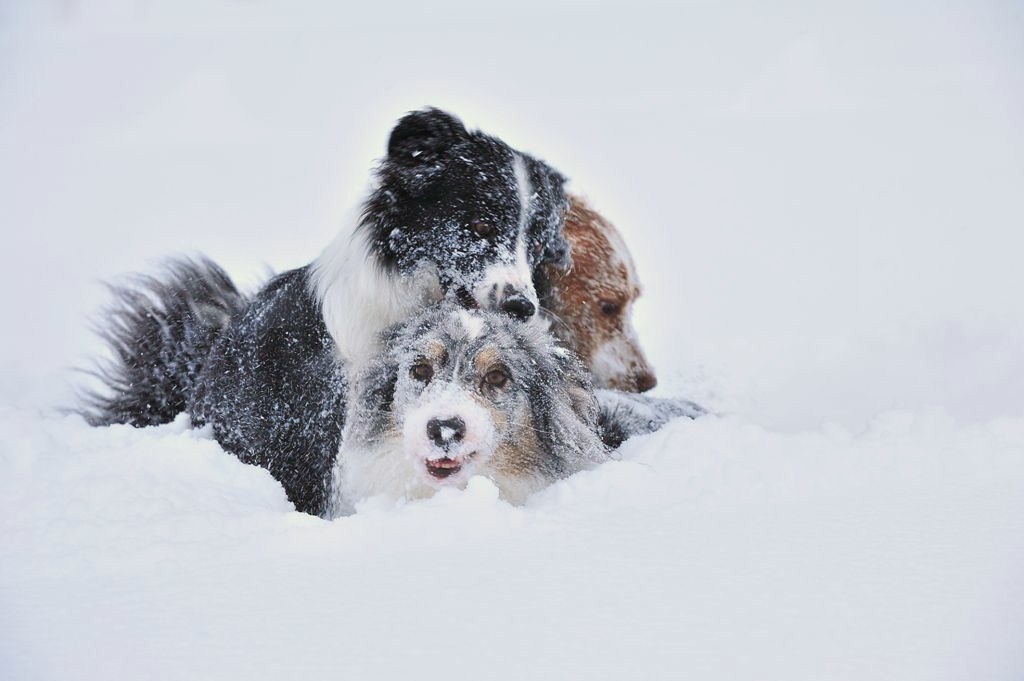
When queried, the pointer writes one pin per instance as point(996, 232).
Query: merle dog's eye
point(538, 248)
point(483, 228)
point(422, 372)
point(496, 378)
point(610, 308)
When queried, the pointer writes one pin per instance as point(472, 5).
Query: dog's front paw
point(624, 415)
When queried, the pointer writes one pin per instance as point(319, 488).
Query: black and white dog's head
point(458, 393)
point(453, 213)
point(483, 213)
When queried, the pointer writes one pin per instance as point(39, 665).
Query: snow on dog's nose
point(447, 432)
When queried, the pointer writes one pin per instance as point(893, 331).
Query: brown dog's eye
point(496, 378)
point(482, 228)
point(610, 308)
point(422, 372)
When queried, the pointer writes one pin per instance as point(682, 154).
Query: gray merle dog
point(457, 393)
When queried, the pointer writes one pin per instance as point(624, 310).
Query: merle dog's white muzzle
point(448, 434)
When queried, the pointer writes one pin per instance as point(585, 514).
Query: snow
point(715, 548)
point(824, 206)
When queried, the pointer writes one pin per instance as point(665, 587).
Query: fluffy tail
point(160, 331)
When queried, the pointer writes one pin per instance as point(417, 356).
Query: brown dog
point(591, 302)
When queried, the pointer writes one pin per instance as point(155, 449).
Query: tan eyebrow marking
point(486, 359)
point(435, 351)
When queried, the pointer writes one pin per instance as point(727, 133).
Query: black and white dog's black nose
point(446, 432)
point(519, 306)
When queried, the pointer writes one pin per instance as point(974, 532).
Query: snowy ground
point(826, 207)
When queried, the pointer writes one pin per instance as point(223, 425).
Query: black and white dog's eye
point(422, 372)
point(610, 308)
point(483, 228)
point(496, 378)
point(538, 248)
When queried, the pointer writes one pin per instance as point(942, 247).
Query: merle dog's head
point(481, 213)
point(457, 393)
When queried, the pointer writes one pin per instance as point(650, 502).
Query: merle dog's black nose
point(445, 432)
point(519, 307)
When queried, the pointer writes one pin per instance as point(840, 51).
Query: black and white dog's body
point(454, 214)
point(273, 389)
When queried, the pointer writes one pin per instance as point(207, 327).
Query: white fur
point(359, 299)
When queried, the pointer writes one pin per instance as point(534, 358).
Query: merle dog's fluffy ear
point(569, 420)
point(422, 135)
point(371, 396)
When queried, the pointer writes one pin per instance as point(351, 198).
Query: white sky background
point(825, 202)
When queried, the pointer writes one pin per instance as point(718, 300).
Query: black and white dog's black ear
point(423, 135)
point(557, 252)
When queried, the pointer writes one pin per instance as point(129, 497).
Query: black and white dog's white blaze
point(458, 393)
point(452, 213)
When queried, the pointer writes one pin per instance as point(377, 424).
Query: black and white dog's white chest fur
point(453, 213)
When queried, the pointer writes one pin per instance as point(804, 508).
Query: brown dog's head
point(592, 302)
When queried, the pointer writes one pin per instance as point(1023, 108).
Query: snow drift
point(715, 548)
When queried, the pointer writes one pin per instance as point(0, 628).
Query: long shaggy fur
point(160, 331)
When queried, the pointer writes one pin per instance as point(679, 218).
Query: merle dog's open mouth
point(443, 467)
